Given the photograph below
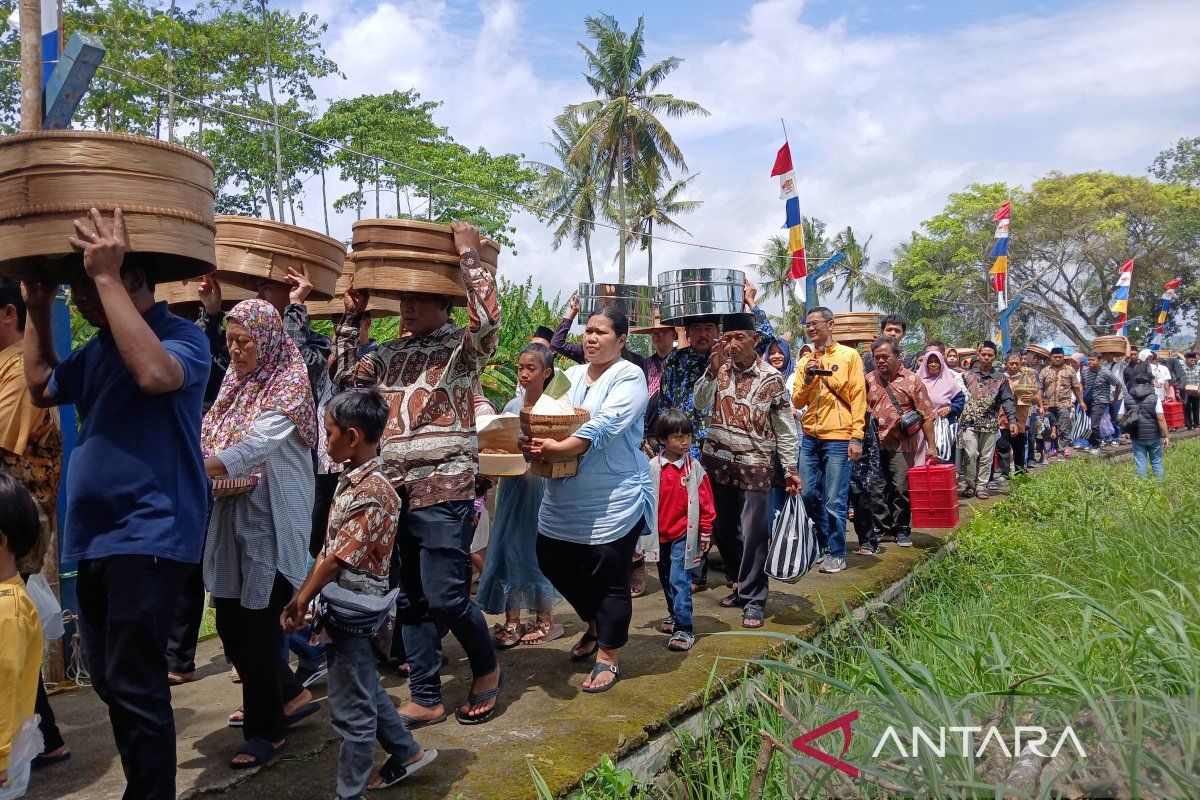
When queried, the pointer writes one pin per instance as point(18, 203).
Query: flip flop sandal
point(413, 723)
point(731, 601)
point(180, 678)
point(577, 655)
point(238, 718)
point(300, 714)
point(475, 699)
point(43, 760)
point(546, 633)
point(508, 635)
point(392, 771)
point(602, 667)
point(262, 751)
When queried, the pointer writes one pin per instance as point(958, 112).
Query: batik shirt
point(987, 395)
point(429, 445)
point(910, 393)
point(1057, 386)
point(362, 528)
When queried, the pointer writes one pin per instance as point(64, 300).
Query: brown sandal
point(542, 632)
point(508, 635)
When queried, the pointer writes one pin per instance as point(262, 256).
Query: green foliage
point(621, 133)
point(569, 191)
point(523, 309)
point(1179, 163)
point(654, 203)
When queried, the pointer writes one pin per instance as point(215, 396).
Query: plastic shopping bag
point(1081, 425)
point(944, 435)
point(49, 611)
point(794, 549)
point(27, 745)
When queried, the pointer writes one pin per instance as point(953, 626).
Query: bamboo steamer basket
point(50, 178)
point(377, 305)
point(390, 272)
point(183, 297)
point(1118, 345)
point(855, 327)
point(414, 236)
point(251, 250)
point(545, 426)
point(1038, 350)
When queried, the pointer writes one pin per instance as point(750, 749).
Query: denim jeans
point(676, 582)
point(1152, 450)
point(429, 564)
point(126, 604)
point(361, 711)
point(825, 471)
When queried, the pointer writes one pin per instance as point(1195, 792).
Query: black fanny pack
point(910, 421)
point(350, 613)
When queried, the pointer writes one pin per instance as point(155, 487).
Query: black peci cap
point(737, 322)
point(543, 332)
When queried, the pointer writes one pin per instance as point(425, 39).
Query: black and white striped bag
point(1081, 425)
point(794, 549)
point(945, 435)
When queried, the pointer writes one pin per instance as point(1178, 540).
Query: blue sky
point(890, 106)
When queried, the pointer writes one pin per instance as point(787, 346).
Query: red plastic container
point(1173, 411)
point(933, 492)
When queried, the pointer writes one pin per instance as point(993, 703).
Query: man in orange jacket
point(832, 391)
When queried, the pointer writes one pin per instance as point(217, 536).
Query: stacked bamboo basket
point(1038, 350)
point(378, 306)
point(252, 250)
point(393, 256)
point(183, 297)
point(1116, 345)
point(48, 179)
point(855, 327)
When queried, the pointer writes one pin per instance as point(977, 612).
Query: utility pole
point(31, 65)
point(274, 108)
point(171, 76)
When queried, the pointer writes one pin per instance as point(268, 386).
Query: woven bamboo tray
point(251, 250)
point(1037, 349)
point(378, 306)
point(390, 272)
point(414, 236)
point(50, 178)
point(855, 327)
point(183, 297)
point(1118, 345)
point(543, 426)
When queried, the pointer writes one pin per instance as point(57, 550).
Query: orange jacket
point(835, 406)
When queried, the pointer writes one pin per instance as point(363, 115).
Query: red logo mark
point(842, 723)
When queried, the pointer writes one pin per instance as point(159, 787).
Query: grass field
point(1074, 602)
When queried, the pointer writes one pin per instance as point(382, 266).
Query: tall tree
point(776, 264)
point(1179, 163)
point(568, 190)
point(623, 126)
point(653, 205)
point(853, 271)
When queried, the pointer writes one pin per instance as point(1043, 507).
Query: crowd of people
point(324, 494)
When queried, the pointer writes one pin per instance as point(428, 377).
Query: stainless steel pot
point(684, 293)
point(636, 301)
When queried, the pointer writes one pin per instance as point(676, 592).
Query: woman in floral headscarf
point(257, 439)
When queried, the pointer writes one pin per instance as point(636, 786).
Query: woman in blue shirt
point(590, 523)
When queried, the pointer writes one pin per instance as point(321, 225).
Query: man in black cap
point(1061, 389)
point(751, 425)
point(542, 336)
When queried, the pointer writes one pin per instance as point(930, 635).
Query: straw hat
point(657, 326)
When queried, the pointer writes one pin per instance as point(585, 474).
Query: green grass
point(1076, 598)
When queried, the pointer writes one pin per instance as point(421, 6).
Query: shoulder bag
point(910, 421)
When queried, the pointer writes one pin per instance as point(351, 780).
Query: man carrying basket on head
point(429, 454)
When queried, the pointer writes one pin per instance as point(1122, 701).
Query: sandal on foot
point(667, 626)
point(578, 655)
point(260, 749)
point(412, 723)
point(545, 632)
point(475, 699)
point(681, 641)
point(46, 760)
point(982, 494)
point(300, 714)
point(731, 601)
point(393, 771)
point(238, 718)
point(508, 635)
point(752, 618)
point(180, 678)
point(602, 667)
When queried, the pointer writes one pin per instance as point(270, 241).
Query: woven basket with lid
point(414, 236)
point(378, 306)
point(48, 179)
point(250, 250)
point(556, 427)
point(183, 297)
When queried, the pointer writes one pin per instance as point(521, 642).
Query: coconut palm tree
point(776, 264)
point(568, 191)
point(651, 208)
point(622, 127)
point(853, 270)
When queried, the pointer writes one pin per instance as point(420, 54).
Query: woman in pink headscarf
point(945, 390)
point(257, 440)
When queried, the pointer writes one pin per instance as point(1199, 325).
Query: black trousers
point(895, 513)
point(125, 609)
point(326, 487)
point(1191, 410)
point(594, 579)
point(185, 627)
point(1018, 446)
point(253, 641)
point(742, 533)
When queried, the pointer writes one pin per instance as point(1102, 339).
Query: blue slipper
point(475, 699)
point(602, 667)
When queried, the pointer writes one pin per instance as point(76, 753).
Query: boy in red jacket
point(685, 521)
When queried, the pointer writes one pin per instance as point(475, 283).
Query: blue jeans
point(676, 582)
point(361, 712)
point(1152, 449)
point(825, 470)
point(429, 564)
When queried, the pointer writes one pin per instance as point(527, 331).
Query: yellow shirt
point(20, 661)
point(835, 406)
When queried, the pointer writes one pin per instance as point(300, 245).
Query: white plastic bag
point(794, 549)
point(944, 435)
point(26, 747)
point(1081, 425)
point(49, 611)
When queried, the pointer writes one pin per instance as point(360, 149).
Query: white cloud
point(883, 126)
